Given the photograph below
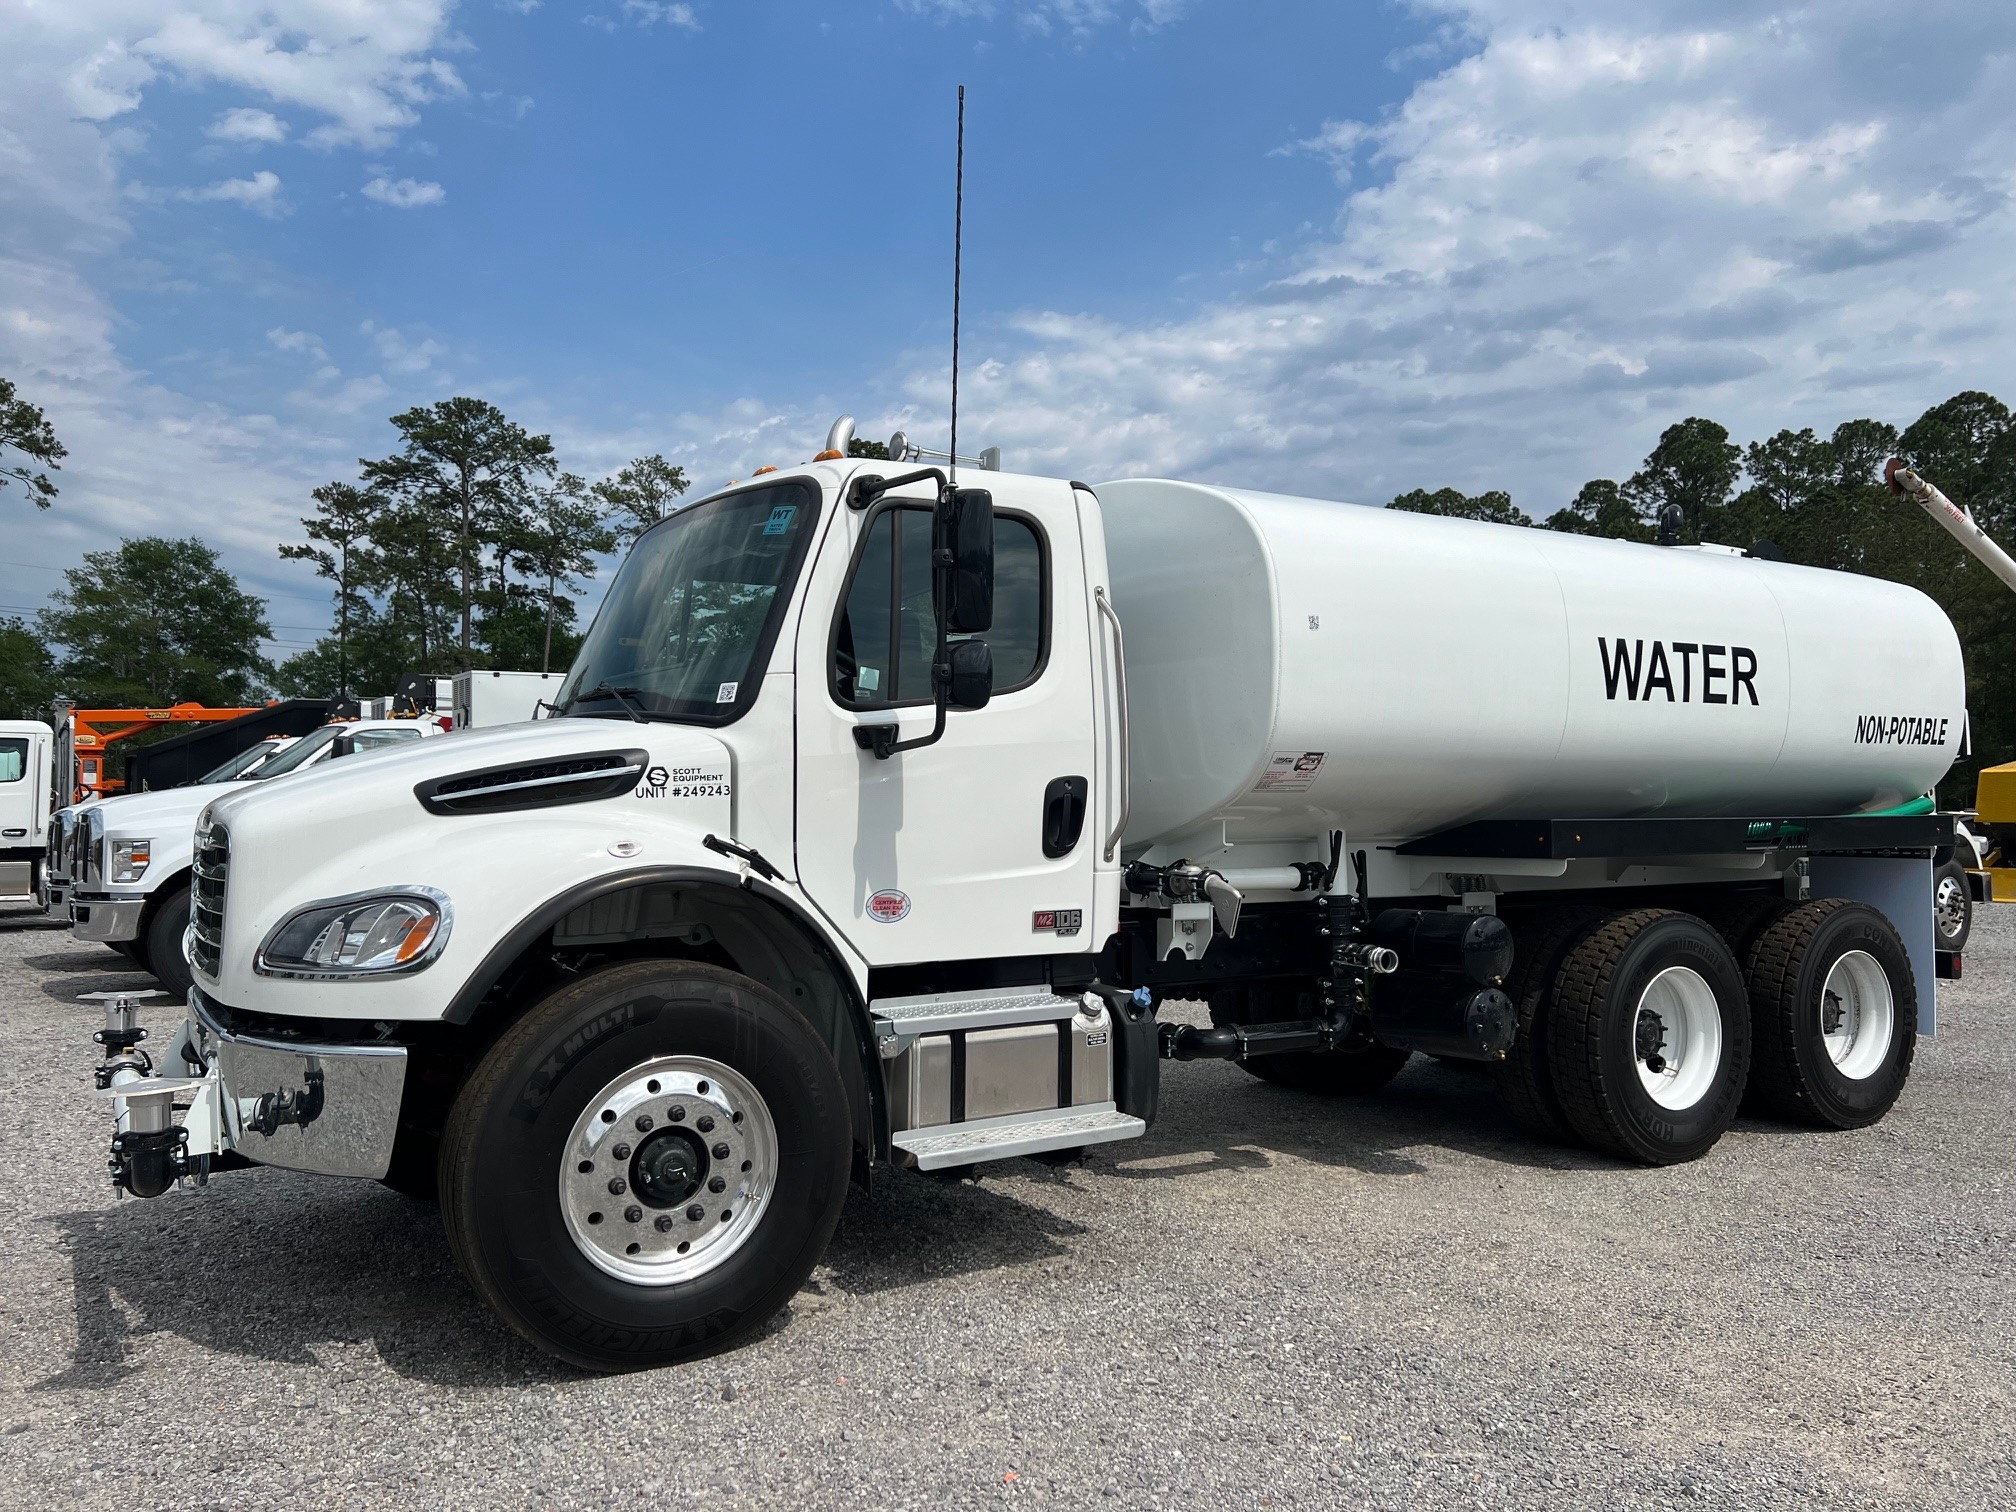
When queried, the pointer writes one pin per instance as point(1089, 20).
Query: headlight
point(371, 934)
point(130, 858)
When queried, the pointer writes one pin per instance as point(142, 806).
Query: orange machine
point(84, 736)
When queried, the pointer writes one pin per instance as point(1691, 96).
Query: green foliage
point(1495, 506)
point(25, 429)
point(1602, 508)
point(157, 622)
point(558, 543)
point(27, 672)
point(875, 449)
point(1695, 467)
point(640, 495)
point(464, 460)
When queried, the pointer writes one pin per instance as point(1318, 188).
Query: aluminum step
point(1017, 1134)
point(990, 1007)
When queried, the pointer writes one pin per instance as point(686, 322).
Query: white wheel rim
point(1677, 1038)
point(1858, 1015)
point(636, 1145)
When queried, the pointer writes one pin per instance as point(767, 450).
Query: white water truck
point(884, 811)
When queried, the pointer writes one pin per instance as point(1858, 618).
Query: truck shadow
point(275, 1277)
point(80, 960)
point(1218, 1117)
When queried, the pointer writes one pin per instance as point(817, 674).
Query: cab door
point(981, 844)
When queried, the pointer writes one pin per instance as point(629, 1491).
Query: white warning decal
point(1290, 772)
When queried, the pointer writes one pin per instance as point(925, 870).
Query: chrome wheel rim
point(1677, 1038)
point(1949, 907)
point(668, 1170)
point(1858, 1015)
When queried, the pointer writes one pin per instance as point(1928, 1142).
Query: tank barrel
point(1958, 522)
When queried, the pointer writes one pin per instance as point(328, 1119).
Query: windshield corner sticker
point(727, 692)
point(889, 906)
point(1290, 772)
point(780, 519)
point(684, 782)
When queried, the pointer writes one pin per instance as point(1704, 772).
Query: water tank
point(1296, 665)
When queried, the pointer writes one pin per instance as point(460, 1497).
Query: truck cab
point(24, 806)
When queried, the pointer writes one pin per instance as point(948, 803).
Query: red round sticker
point(888, 906)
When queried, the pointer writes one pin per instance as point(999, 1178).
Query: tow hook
point(149, 1150)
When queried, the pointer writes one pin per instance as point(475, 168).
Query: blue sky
point(1343, 249)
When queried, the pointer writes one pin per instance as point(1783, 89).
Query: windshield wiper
point(625, 697)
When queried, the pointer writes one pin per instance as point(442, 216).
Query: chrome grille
point(63, 837)
point(207, 874)
point(90, 849)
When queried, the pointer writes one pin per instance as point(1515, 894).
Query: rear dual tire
point(1649, 1037)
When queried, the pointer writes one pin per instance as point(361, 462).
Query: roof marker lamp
point(371, 935)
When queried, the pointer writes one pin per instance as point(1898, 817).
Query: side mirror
point(972, 664)
point(342, 745)
point(966, 536)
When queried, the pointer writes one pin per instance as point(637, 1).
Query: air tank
point(1296, 665)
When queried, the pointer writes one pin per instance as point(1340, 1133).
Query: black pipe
point(1183, 1042)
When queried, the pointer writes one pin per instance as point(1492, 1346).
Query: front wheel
point(646, 1167)
point(165, 929)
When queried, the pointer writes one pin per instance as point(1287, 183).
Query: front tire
point(646, 1167)
point(165, 929)
point(1649, 1037)
point(1836, 1011)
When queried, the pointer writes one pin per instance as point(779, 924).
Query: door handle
point(1063, 815)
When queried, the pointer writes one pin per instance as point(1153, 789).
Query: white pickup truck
point(124, 876)
point(864, 838)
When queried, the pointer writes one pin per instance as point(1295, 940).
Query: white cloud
point(260, 193)
point(651, 12)
point(405, 193)
point(1046, 16)
point(247, 125)
point(298, 341)
point(399, 352)
point(1602, 219)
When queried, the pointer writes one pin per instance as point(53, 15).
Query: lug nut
point(718, 1184)
point(696, 1212)
point(664, 1224)
point(704, 1125)
point(618, 1186)
point(620, 1152)
point(643, 1123)
point(677, 1115)
point(721, 1151)
point(634, 1215)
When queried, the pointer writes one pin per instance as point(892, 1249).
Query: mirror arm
point(869, 487)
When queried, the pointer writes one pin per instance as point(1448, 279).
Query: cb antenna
point(958, 232)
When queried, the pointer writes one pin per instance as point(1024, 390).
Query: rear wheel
point(1649, 1037)
point(646, 1167)
point(1952, 906)
point(165, 929)
point(1525, 1083)
point(1836, 1012)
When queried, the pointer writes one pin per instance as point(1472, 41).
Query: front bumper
point(327, 1108)
point(56, 897)
point(106, 919)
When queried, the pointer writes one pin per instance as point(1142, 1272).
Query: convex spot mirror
point(966, 537)
point(972, 683)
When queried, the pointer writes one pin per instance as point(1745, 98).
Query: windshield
point(299, 754)
point(239, 765)
point(688, 624)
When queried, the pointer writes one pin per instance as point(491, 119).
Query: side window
point(13, 759)
point(883, 643)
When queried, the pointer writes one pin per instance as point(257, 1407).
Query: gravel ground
point(1270, 1301)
